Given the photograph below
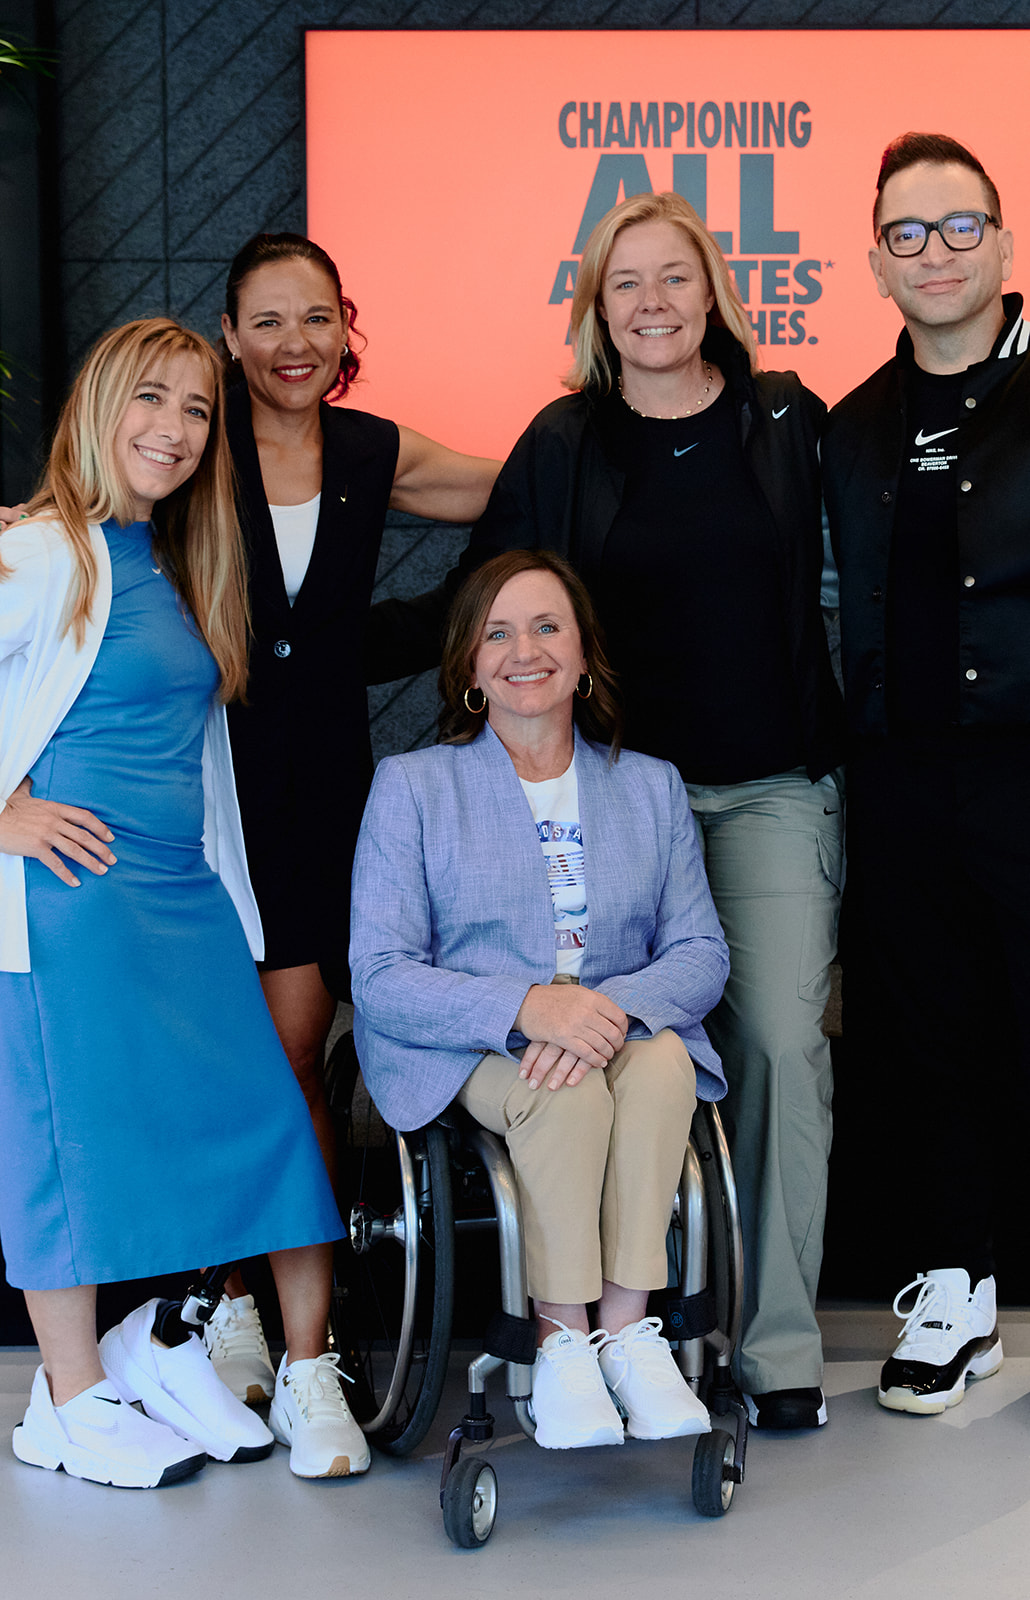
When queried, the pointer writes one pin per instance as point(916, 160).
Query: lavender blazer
point(452, 918)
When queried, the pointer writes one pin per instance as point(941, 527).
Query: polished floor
point(872, 1507)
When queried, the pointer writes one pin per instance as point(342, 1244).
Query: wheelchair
point(414, 1197)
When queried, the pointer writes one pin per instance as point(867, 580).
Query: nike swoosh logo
point(928, 438)
point(687, 447)
point(778, 414)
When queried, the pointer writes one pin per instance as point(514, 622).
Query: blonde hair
point(196, 530)
point(597, 361)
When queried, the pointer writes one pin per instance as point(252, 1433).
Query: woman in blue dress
point(149, 1120)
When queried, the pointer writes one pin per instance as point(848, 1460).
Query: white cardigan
point(42, 672)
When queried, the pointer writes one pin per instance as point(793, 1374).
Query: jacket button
point(877, 594)
point(970, 402)
point(282, 648)
point(971, 674)
point(878, 684)
point(965, 485)
point(969, 582)
point(886, 497)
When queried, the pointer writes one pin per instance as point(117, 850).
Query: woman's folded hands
point(571, 1029)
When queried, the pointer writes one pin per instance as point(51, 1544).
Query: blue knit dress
point(149, 1120)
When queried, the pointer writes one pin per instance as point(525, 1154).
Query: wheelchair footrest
point(511, 1338)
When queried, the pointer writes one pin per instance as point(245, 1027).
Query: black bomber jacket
point(863, 449)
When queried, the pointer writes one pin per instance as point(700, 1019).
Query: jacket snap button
point(965, 485)
point(969, 582)
point(971, 674)
point(877, 594)
point(282, 648)
point(886, 497)
point(970, 402)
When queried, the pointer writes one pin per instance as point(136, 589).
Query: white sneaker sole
point(599, 1437)
point(78, 1462)
point(683, 1430)
point(343, 1465)
point(931, 1405)
point(605, 1433)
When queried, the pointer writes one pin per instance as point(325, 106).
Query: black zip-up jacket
point(561, 489)
point(863, 450)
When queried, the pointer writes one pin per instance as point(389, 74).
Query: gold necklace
point(650, 417)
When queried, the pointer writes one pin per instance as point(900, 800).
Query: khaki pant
point(597, 1166)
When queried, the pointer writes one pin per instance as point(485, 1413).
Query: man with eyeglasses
point(927, 483)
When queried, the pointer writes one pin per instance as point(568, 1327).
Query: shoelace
point(238, 1331)
point(643, 1340)
point(577, 1375)
point(317, 1391)
point(933, 1297)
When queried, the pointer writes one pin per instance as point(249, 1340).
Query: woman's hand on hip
point(582, 1021)
point(564, 1066)
point(9, 514)
point(41, 828)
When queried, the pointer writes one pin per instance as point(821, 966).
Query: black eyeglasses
point(960, 230)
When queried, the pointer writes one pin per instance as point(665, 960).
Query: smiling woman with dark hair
point(568, 1021)
point(314, 484)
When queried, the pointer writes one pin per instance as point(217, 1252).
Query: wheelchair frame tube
point(514, 1284)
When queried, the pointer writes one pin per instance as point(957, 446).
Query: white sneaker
point(97, 1436)
point(311, 1416)
point(571, 1406)
point(638, 1367)
point(180, 1387)
point(235, 1341)
point(950, 1334)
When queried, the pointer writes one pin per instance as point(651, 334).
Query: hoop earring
point(345, 351)
point(589, 688)
point(474, 711)
point(235, 356)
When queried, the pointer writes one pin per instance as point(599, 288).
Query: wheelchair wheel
point(727, 1275)
point(393, 1295)
point(469, 1502)
point(712, 1481)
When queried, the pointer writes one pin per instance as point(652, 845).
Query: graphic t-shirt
point(555, 807)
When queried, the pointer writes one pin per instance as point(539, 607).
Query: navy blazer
point(453, 921)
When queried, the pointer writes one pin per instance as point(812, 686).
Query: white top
point(555, 807)
point(295, 535)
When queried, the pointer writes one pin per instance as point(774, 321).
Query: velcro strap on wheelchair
point(511, 1338)
point(689, 1317)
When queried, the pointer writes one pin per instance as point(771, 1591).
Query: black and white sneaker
point(950, 1335)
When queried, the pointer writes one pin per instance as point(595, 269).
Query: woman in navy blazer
point(535, 906)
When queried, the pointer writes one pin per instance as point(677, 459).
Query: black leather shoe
point(787, 1409)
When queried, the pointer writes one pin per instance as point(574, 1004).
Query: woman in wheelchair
point(533, 935)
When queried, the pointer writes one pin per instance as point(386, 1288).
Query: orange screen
point(454, 176)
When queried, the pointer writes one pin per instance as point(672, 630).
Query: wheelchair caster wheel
point(712, 1480)
point(470, 1502)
